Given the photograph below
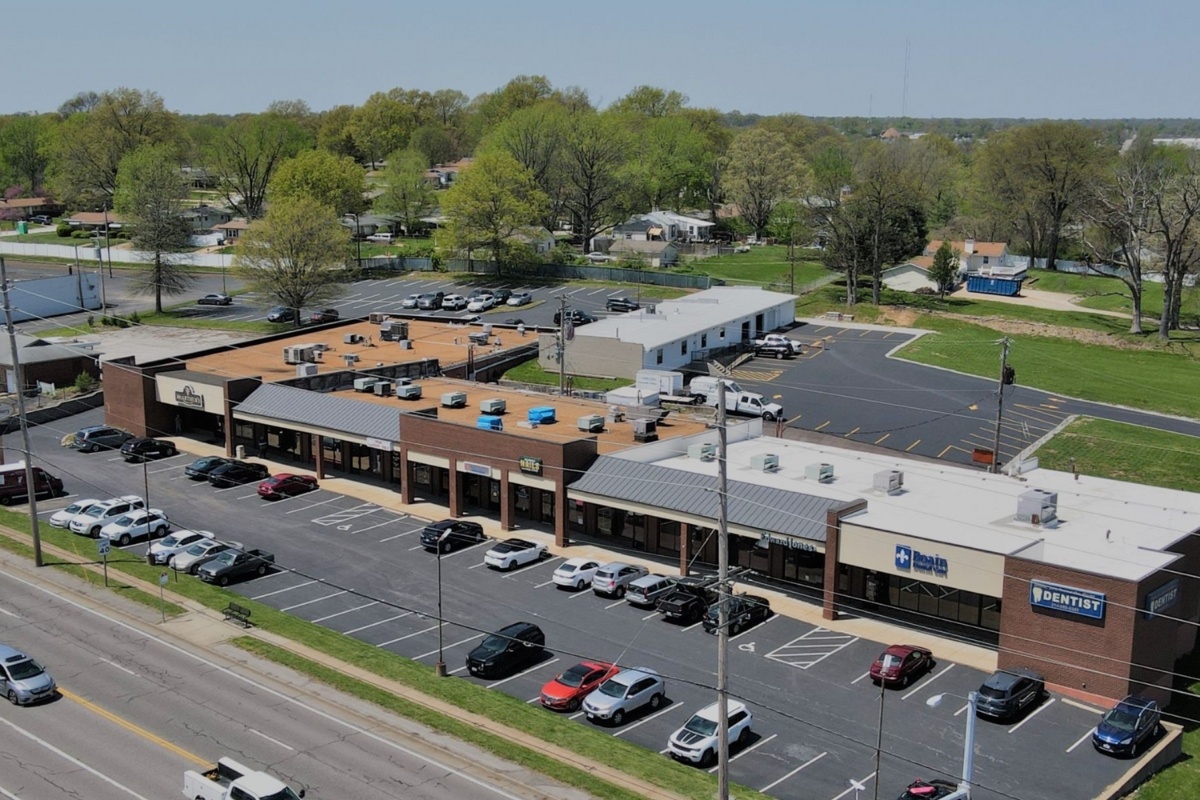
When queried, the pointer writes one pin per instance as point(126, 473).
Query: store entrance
point(534, 505)
point(480, 492)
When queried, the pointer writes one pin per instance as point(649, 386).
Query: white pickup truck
point(737, 399)
point(229, 780)
point(779, 340)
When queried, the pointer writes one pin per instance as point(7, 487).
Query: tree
point(791, 223)
point(668, 163)
point(24, 150)
point(408, 195)
point(944, 267)
point(433, 143)
point(298, 113)
point(150, 194)
point(650, 101)
point(80, 103)
point(335, 134)
point(491, 201)
point(296, 255)
point(763, 170)
point(534, 137)
point(1175, 213)
point(593, 154)
point(334, 181)
point(380, 126)
point(245, 154)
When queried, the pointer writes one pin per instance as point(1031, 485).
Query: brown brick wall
point(1160, 641)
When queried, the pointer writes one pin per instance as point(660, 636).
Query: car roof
point(1006, 679)
point(11, 655)
point(647, 580)
point(518, 543)
point(634, 674)
point(709, 712)
point(516, 628)
point(614, 565)
point(441, 525)
point(578, 561)
point(1136, 702)
point(902, 649)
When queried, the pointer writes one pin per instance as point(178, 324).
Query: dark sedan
point(621, 304)
point(287, 485)
point(577, 316)
point(1127, 727)
point(215, 299)
point(237, 473)
point(146, 449)
point(745, 611)
point(198, 470)
point(324, 315)
point(281, 314)
point(900, 664)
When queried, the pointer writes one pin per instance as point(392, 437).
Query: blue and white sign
point(909, 559)
point(1067, 599)
point(1162, 598)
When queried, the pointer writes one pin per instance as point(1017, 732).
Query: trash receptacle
point(241, 451)
point(22, 227)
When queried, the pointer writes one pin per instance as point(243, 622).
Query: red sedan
point(286, 485)
point(900, 663)
point(566, 692)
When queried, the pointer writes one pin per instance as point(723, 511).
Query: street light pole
point(439, 668)
point(722, 598)
point(968, 767)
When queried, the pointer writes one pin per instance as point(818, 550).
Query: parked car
point(215, 299)
point(137, 524)
point(779, 339)
point(519, 299)
point(200, 554)
point(13, 486)
point(281, 314)
point(596, 257)
point(385, 238)
point(575, 573)
point(89, 523)
point(23, 680)
point(628, 691)
point(647, 590)
point(501, 296)
point(100, 437)
point(1008, 692)
point(232, 564)
point(481, 304)
point(928, 790)
point(577, 317)
point(688, 602)
point(450, 534)
point(324, 315)
point(1127, 727)
point(162, 550)
point(621, 304)
point(237, 473)
point(567, 690)
point(745, 611)
point(42, 219)
point(613, 579)
point(431, 301)
point(773, 350)
point(61, 519)
point(146, 449)
point(410, 301)
point(454, 302)
point(696, 741)
point(199, 469)
point(900, 664)
point(513, 553)
point(287, 485)
point(509, 648)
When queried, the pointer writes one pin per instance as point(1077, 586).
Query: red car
point(286, 485)
point(566, 692)
point(900, 663)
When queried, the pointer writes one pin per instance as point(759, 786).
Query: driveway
point(1038, 298)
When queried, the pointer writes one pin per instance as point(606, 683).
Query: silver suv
point(23, 680)
point(613, 578)
point(623, 694)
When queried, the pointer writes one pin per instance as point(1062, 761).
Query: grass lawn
point(530, 372)
point(1126, 453)
point(762, 265)
point(177, 319)
point(1181, 779)
point(1098, 291)
point(51, 237)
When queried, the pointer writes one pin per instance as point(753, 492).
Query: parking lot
point(358, 568)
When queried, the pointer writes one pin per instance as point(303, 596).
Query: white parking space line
point(243, 497)
point(347, 611)
point(961, 710)
point(278, 571)
point(926, 683)
point(8, 613)
point(531, 567)
point(407, 636)
point(373, 624)
point(313, 505)
point(753, 628)
point(1082, 706)
point(651, 615)
point(812, 648)
point(379, 525)
point(693, 625)
point(576, 715)
point(852, 789)
point(123, 669)
point(156, 471)
point(664, 751)
point(524, 672)
point(1033, 714)
point(1082, 739)
point(456, 671)
point(448, 646)
point(544, 583)
point(477, 566)
point(281, 591)
point(580, 594)
point(269, 739)
point(866, 674)
point(310, 602)
point(4, 792)
point(644, 720)
point(229, 489)
point(754, 746)
point(614, 605)
point(464, 550)
point(534, 699)
point(401, 535)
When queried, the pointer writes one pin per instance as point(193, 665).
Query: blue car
point(1125, 728)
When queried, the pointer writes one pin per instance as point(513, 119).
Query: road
point(137, 710)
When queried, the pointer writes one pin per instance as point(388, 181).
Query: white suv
point(696, 741)
point(97, 516)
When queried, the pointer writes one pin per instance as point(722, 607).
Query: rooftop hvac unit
point(767, 462)
point(542, 415)
point(320, 347)
point(364, 384)
point(889, 481)
point(405, 344)
point(645, 430)
point(489, 423)
point(383, 389)
point(1037, 506)
point(478, 337)
point(350, 358)
point(706, 451)
point(376, 317)
point(408, 392)
point(615, 414)
point(306, 370)
point(819, 472)
point(298, 354)
point(493, 405)
point(592, 423)
point(454, 400)
point(393, 330)
point(402, 381)
point(351, 338)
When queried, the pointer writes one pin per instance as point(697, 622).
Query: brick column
point(833, 527)
point(561, 513)
point(685, 548)
point(405, 478)
point(508, 503)
point(455, 489)
point(318, 456)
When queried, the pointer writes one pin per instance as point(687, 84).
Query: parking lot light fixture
point(439, 669)
point(964, 785)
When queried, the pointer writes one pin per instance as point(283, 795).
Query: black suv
point(199, 469)
point(621, 304)
point(577, 316)
point(236, 473)
point(1008, 692)
point(431, 301)
point(507, 649)
point(450, 534)
point(770, 350)
point(745, 610)
point(99, 437)
point(688, 602)
point(501, 295)
point(145, 449)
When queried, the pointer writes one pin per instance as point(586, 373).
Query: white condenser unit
point(408, 392)
point(819, 472)
point(592, 423)
point(454, 399)
point(382, 389)
point(705, 451)
point(364, 384)
point(350, 358)
point(299, 354)
point(889, 481)
point(645, 430)
point(494, 405)
point(765, 462)
point(1037, 506)
point(306, 370)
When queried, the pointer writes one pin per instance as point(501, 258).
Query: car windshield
point(197, 549)
point(285, 794)
point(993, 692)
point(74, 508)
point(494, 643)
point(574, 676)
point(226, 558)
point(170, 541)
point(888, 661)
point(1121, 719)
point(94, 511)
point(613, 688)
point(700, 725)
point(125, 520)
point(24, 670)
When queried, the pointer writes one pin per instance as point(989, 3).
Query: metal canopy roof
point(336, 414)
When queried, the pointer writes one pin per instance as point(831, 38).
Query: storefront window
point(803, 566)
point(989, 616)
point(360, 458)
point(668, 537)
point(524, 501)
point(423, 476)
point(547, 506)
point(243, 430)
point(968, 608)
point(605, 521)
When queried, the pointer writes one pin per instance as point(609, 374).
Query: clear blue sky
point(1002, 58)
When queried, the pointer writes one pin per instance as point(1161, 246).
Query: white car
point(513, 553)
point(779, 340)
point(454, 302)
point(576, 573)
point(162, 550)
point(481, 303)
point(696, 741)
point(386, 238)
point(596, 257)
point(89, 523)
point(520, 299)
point(198, 554)
point(137, 524)
point(410, 301)
point(61, 519)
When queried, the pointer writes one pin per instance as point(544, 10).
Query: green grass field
point(1125, 452)
point(1110, 293)
point(762, 265)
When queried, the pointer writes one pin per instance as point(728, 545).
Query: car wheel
point(511, 565)
point(445, 547)
point(573, 704)
point(618, 717)
point(656, 701)
point(620, 592)
point(12, 697)
point(1133, 750)
point(124, 540)
point(579, 586)
point(94, 532)
point(160, 532)
point(779, 355)
point(744, 736)
point(735, 629)
point(769, 417)
point(223, 580)
point(5, 501)
point(707, 757)
point(905, 681)
point(262, 570)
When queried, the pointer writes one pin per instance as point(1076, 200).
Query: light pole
point(439, 669)
point(357, 237)
point(968, 767)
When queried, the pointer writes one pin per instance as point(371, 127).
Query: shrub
point(84, 383)
point(63, 230)
point(135, 318)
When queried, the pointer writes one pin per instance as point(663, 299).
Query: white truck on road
point(229, 780)
point(737, 399)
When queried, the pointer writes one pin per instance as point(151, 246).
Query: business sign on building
point(789, 542)
point(530, 465)
point(189, 398)
point(186, 393)
point(472, 468)
point(1067, 599)
point(379, 444)
point(911, 559)
point(1162, 598)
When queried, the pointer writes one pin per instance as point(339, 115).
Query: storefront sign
point(188, 398)
point(530, 465)
point(1066, 599)
point(909, 559)
point(788, 542)
point(185, 392)
point(476, 469)
point(379, 444)
point(1162, 598)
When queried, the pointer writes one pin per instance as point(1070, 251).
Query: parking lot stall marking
point(754, 628)
point(961, 710)
point(310, 602)
point(544, 583)
point(243, 497)
point(346, 515)
point(523, 672)
point(377, 525)
point(281, 591)
point(407, 636)
point(866, 674)
point(580, 594)
point(8, 794)
point(854, 788)
point(347, 611)
point(8, 613)
point(926, 683)
point(375, 624)
point(851, 433)
point(400, 535)
point(613, 605)
point(1082, 739)
point(448, 646)
point(693, 625)
point(1082, 706)
point(911, 446)
point(312, 505)
point(230, 488)
point(418, 547)
point(811, 648)
point(824, 424)
point(1032, 714)
point(752, 747)
point(465, 550)
point(881, 438)
point(651, 615)
point(644, 720)
point(533, 566)
point(805, 765)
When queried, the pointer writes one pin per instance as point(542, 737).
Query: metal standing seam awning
point(321, 414)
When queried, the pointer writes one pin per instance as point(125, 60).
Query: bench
point(239, 614)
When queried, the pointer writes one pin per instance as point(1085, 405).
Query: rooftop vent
point(592, 423)
point(493, 405)
point(1037, 507)
point(766, 462)
point(706, 451)
point(889, 481)
point(819, 472)
point(350, 358)
point(454, 399)
point(306, 370)
point(409, 391)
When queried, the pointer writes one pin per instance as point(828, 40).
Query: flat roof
point(615, 437)
point(1106, 527)
point(434, 340)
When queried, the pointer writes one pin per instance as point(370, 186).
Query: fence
point(1080, 268)
point(560, 272)
point(86, 254)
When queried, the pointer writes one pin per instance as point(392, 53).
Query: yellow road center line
point(911, 446)
point(823, 424)
point(851, 433)
point(129, 726)
point(881, 438)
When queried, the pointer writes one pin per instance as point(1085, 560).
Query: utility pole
point(107, 242)
point(1006, 378)
point(562, 344)
point(722, 599)
point(30, 486)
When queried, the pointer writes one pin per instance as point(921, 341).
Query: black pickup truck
point(233, 564)
point(688, 601)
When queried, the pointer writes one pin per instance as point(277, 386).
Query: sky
point(970, 58)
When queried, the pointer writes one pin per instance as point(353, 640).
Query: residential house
point(95, 220)
point(910, 276)
point(26, 207)
point(205, 217)
point(367, 224)
point(891, 135)
point(973, 256)
point(541, 240)
point(654, 254)
point(666, 226)
point(231, 230)
point(45, 362)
